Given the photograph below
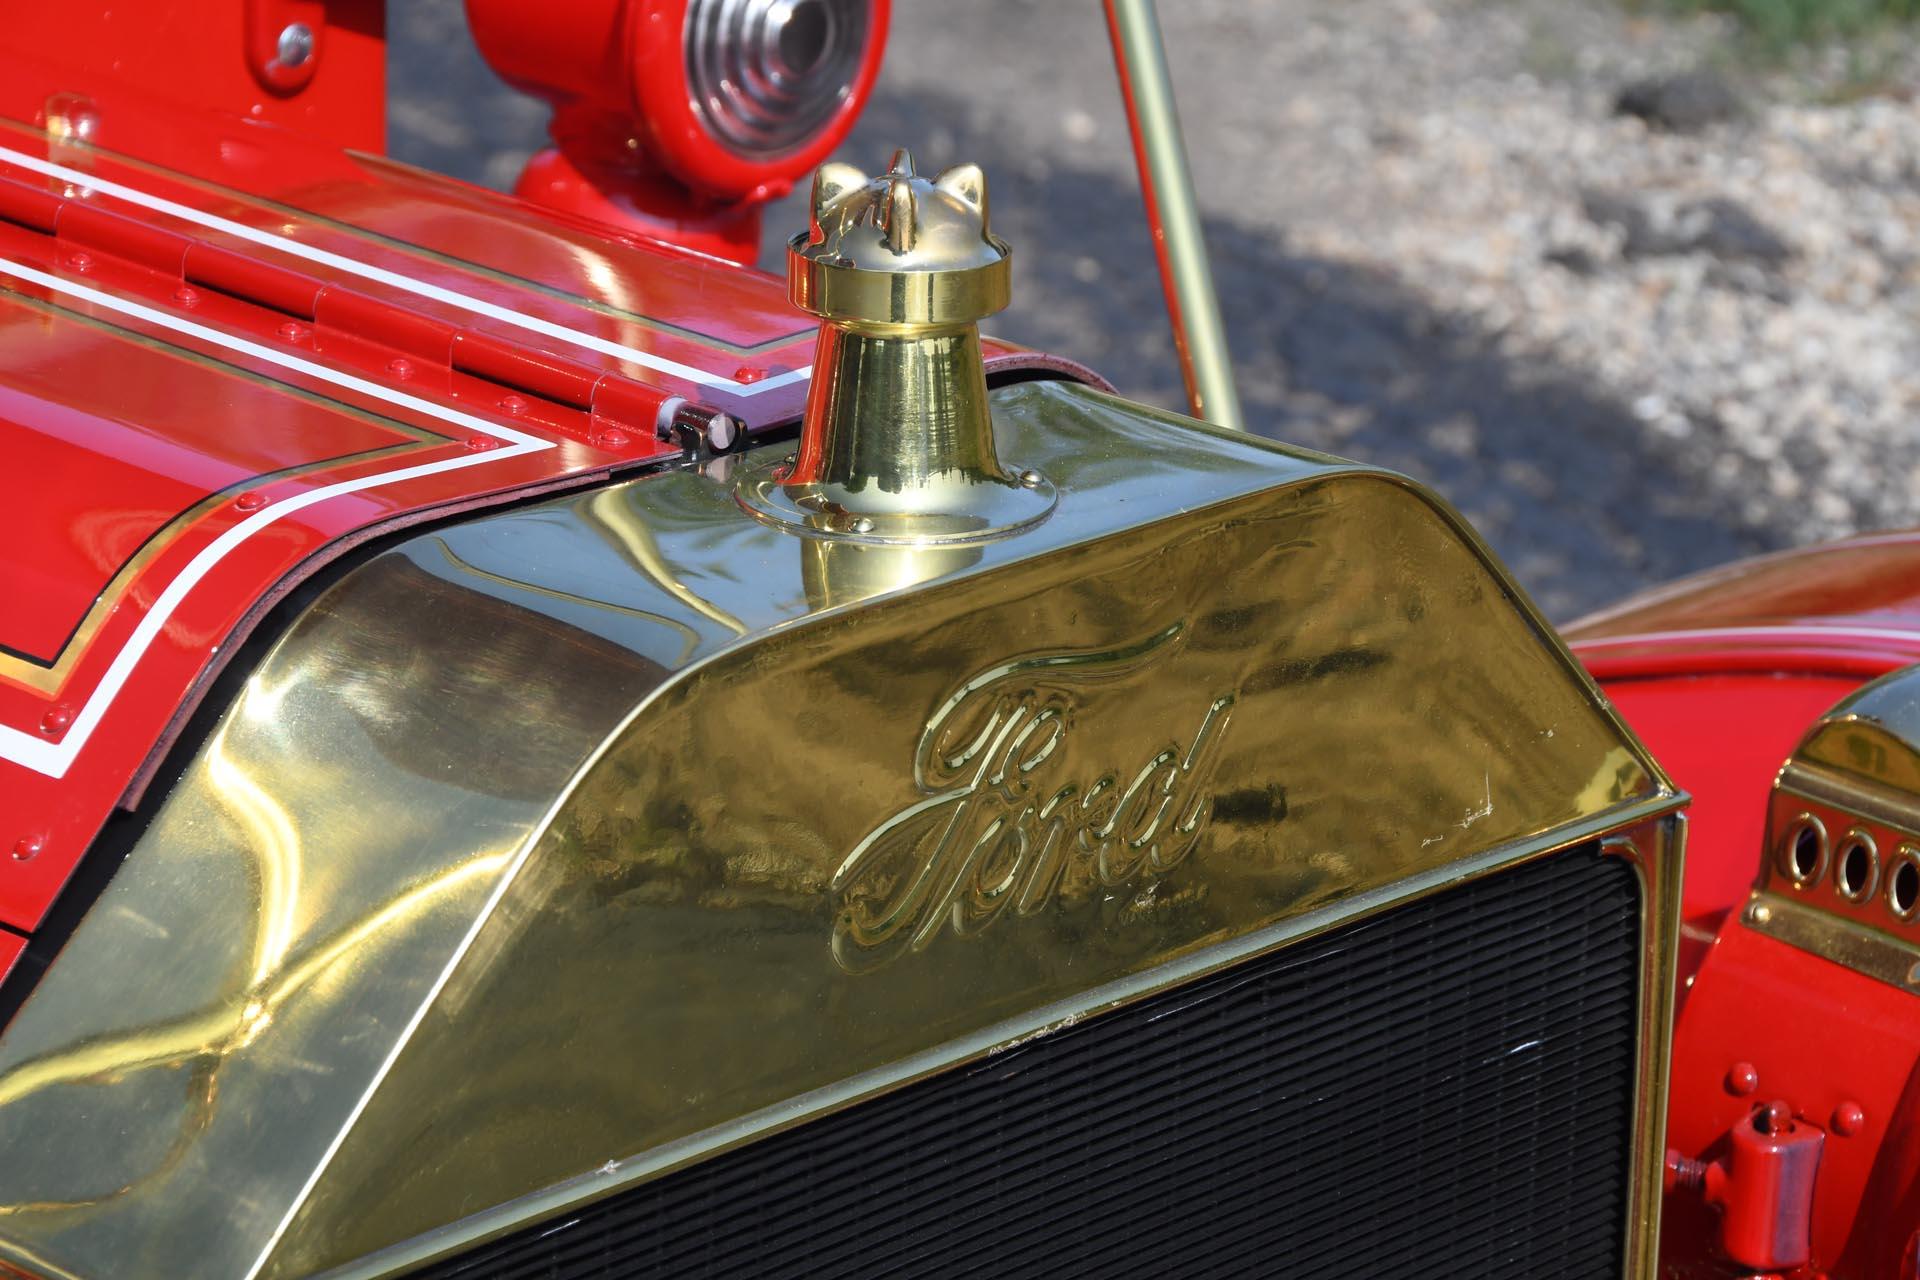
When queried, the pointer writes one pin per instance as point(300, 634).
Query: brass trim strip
point(1660, 865)
point(1845, 942)
point(1850, 793)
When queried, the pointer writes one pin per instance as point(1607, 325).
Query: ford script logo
point(1020, 798)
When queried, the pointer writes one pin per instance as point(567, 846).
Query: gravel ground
point(1625, 350)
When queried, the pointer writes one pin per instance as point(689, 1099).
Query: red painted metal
point(1721, 674)
point(593, 174)
point(1723, 735)
point(629, 147)
point(1827, 1040)
point(1849, 608)
point(1762, 1187)
point(11, 945)
point(212, 56)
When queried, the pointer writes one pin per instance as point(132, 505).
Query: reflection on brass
point(492, 896)
point(1854, 778)
point(897, 442)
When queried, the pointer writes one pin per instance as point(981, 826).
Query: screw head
point(295, 44)
point(1848, 1119)
point(1031, 479)
point(863, 525)
point(28, 847)
point(400, 368)
point(1742, 1079)
point(249, 502)
point(514, 405)
point(80, 261)
point(611, 439)
point(479, 444)
point(56, 719)
point(186, 296)
point(293, 332)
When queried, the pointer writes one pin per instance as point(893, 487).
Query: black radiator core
point(1443, 1089)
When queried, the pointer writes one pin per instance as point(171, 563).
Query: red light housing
point(674, 113)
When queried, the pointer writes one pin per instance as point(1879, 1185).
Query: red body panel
point(1820, 1038)
point(1722, 674)
point(1723, 735)
point(214, 58)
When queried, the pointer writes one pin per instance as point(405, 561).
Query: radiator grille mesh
point(1444, 1089)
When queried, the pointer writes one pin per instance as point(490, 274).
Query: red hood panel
point(205, 394)
point(99, 468)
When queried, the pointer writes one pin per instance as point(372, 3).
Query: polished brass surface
point(1854, 778)
point(897, 443)
point(570, 844)
point(1173, 215)
point(1865, 950)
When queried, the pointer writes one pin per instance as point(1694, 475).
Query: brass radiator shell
point(565, 846)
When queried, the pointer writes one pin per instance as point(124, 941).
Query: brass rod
point(1166, 183)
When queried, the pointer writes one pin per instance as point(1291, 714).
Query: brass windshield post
point(1172, 217)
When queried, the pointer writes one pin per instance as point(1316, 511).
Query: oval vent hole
point(1856, 868)
point(1806, 853)
point(1906, 888)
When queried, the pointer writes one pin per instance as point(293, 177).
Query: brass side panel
point(561, 846)
point(204, 1036)
point(1856, 777)
point(985, 800)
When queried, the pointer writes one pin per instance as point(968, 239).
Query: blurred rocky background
point(1634, 288)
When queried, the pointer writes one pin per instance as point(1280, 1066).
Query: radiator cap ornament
point(897, 443)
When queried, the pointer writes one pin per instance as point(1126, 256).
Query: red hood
point(216, 380)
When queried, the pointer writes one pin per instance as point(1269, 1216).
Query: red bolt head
point(249, 502)
point(186, 297)
point(56, 719)
point(26, 847)
point(481, 443)
point(748, 373)
point(1848, 1118)
point(80, 261)
point(513, 404)
point(293, 332)
point(400, 368)
point(1775, 1117)
point(1742, 1079)
point(613, 439)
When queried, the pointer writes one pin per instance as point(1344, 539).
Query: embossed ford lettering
point(1006, 818)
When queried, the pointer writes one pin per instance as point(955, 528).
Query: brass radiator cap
point(897, 443)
